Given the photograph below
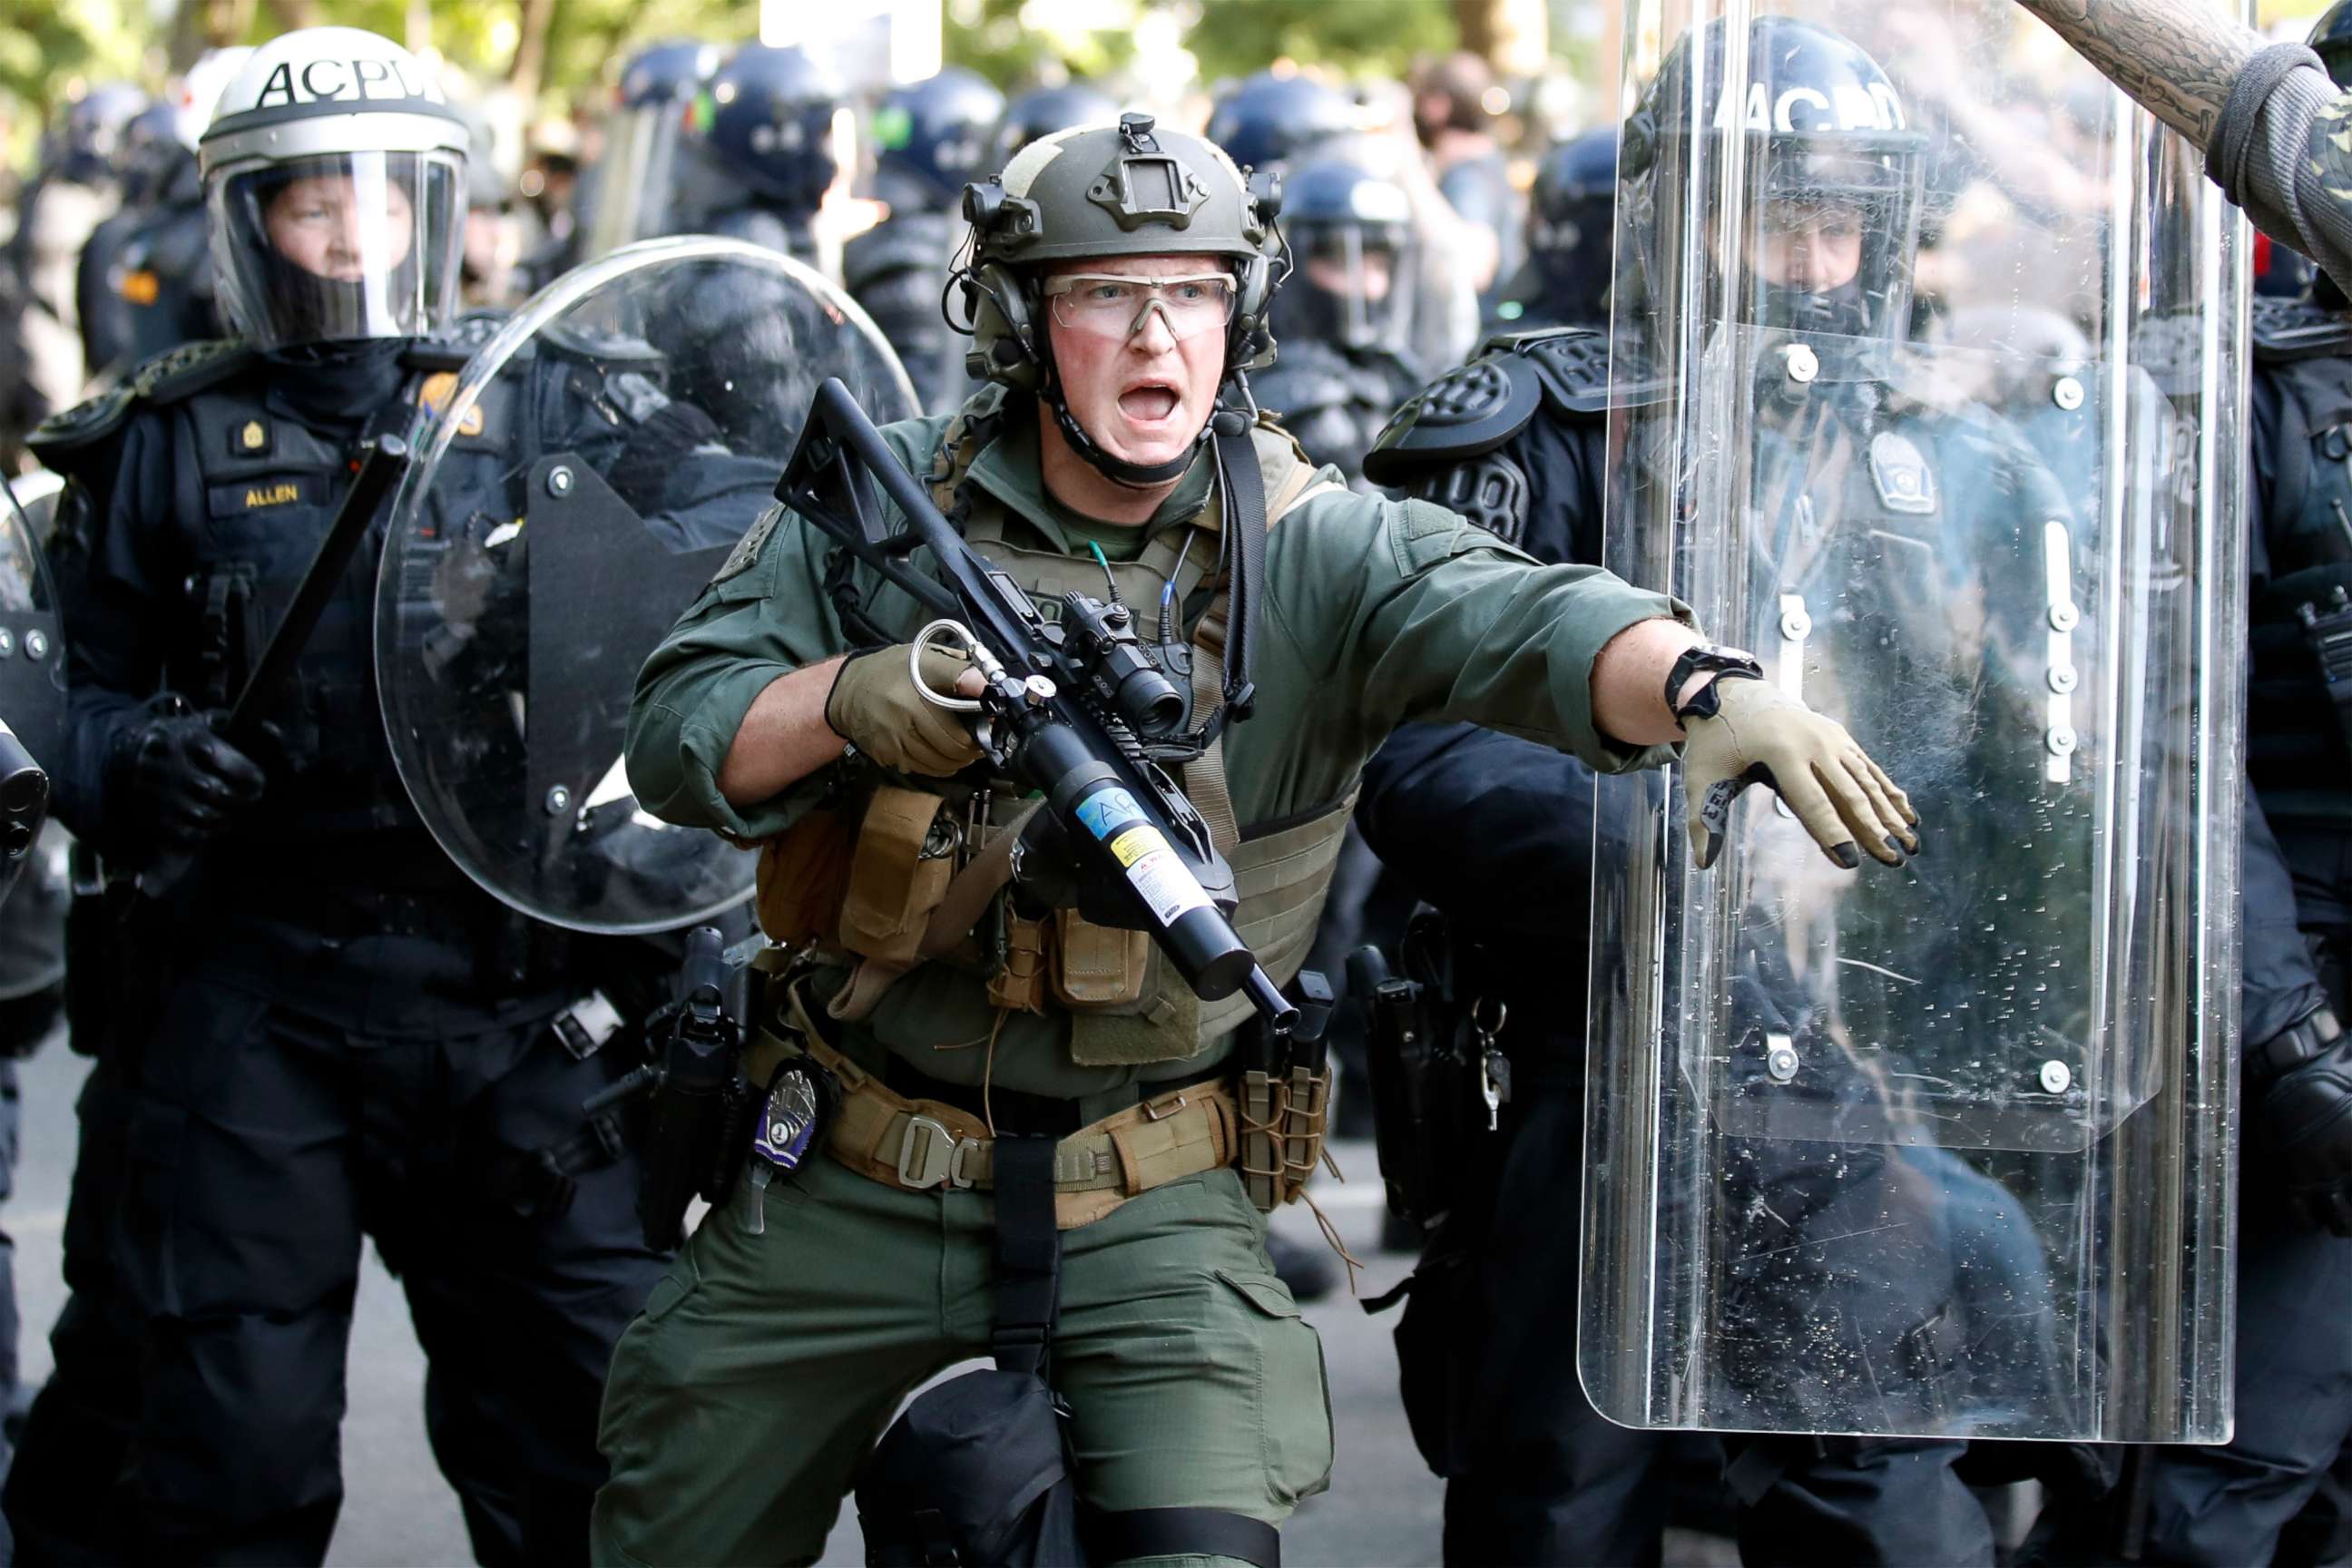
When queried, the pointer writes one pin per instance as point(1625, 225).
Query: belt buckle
point(931, 1156)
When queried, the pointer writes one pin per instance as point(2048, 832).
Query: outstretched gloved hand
point(874, 706)
point(1758, 734)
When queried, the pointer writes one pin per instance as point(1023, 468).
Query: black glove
point(184, 782)
point(2309, 1107)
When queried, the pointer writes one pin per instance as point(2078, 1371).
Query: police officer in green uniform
point(1121, 276)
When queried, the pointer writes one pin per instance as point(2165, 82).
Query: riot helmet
point(1107, 191)
point(1832, 173)
point(933, 137)
point(91, 142)
point(334, 171)
point(637, 180)
point(1348, 231)
point(151, 152)
point(2331, 40)
point(1569, 229)
point(1270, 119)
point(1042, 110)
point(769, 126)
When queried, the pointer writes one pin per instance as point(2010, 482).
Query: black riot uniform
point(321, 1032)
point(1340, 323)
point(933, 136)
point(145, 281)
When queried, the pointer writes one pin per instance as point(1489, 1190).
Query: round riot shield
point(32, 668)
point(1941, 1149)
point(579, 482)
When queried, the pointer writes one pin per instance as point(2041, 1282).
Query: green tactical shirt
point(1375, 613)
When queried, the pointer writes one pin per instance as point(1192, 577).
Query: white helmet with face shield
point(335, 175)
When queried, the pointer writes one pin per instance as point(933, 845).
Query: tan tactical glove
point(873, 705)
point(1760, 735)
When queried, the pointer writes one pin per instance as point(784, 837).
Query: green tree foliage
point(995, 39)
point(1353, 37)
point(46, 45)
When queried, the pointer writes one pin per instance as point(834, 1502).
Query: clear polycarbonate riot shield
point(581, 480)
point(1947, 429)
point(32, 644)
point(32, 685)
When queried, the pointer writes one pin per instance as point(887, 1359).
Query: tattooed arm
point(2175, 57)
point(2276, 132)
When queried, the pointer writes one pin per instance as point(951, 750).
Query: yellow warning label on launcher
point(1136, 843)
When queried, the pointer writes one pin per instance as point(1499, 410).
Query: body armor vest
point(2301, 608)
point(1127, 1004)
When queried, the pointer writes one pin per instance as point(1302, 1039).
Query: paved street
point(1382, 1507)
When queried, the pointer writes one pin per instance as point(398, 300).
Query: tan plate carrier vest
point(910, 870)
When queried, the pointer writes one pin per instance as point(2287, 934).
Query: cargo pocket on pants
point(1295, 1394)
point(637, 1364)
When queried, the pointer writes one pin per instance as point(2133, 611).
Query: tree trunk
point(530, 67)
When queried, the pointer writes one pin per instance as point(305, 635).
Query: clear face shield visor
point(1354, 278)
point(638, 177)
point(341, 247)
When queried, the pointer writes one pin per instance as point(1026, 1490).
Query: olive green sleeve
point(1417, 614)
point(764, 616)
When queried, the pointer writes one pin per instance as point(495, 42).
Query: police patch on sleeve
point(1901, 473)
point(747, 549)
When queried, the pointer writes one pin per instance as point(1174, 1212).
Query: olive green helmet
point(1112, 190)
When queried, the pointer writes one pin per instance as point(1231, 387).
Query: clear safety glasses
point(1113, 307)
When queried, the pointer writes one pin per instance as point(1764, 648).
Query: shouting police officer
point(324, 1032)
point(1122, 277)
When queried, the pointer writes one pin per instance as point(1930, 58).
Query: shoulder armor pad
point(2287, 329)
point(462, 341)
point(1573, 362)
point(170, 377)
point(1468, 411)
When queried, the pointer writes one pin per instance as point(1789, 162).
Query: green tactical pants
point(745, 1396)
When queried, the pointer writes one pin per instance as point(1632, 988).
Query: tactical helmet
point(933, 136)
point(1348, 231)
point(338, 142)
point(2331, 40)
point(1824, 127)
point(1128, 189)
point(1042, 110)
point(94, 124)
point(1570, 228)
point(771, 124)
point(1269, 120)
point(637, 179)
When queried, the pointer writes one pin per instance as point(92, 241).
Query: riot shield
point(1945, 1149)
point(578, 483)
point(32, 670)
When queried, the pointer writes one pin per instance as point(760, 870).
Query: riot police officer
point(1516, 441)
point(1341, 323)
point(931, 136)
point(633, 190)
point(146, 274)
point(323, 1032)
point(775, 141)
point(1565, 283)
